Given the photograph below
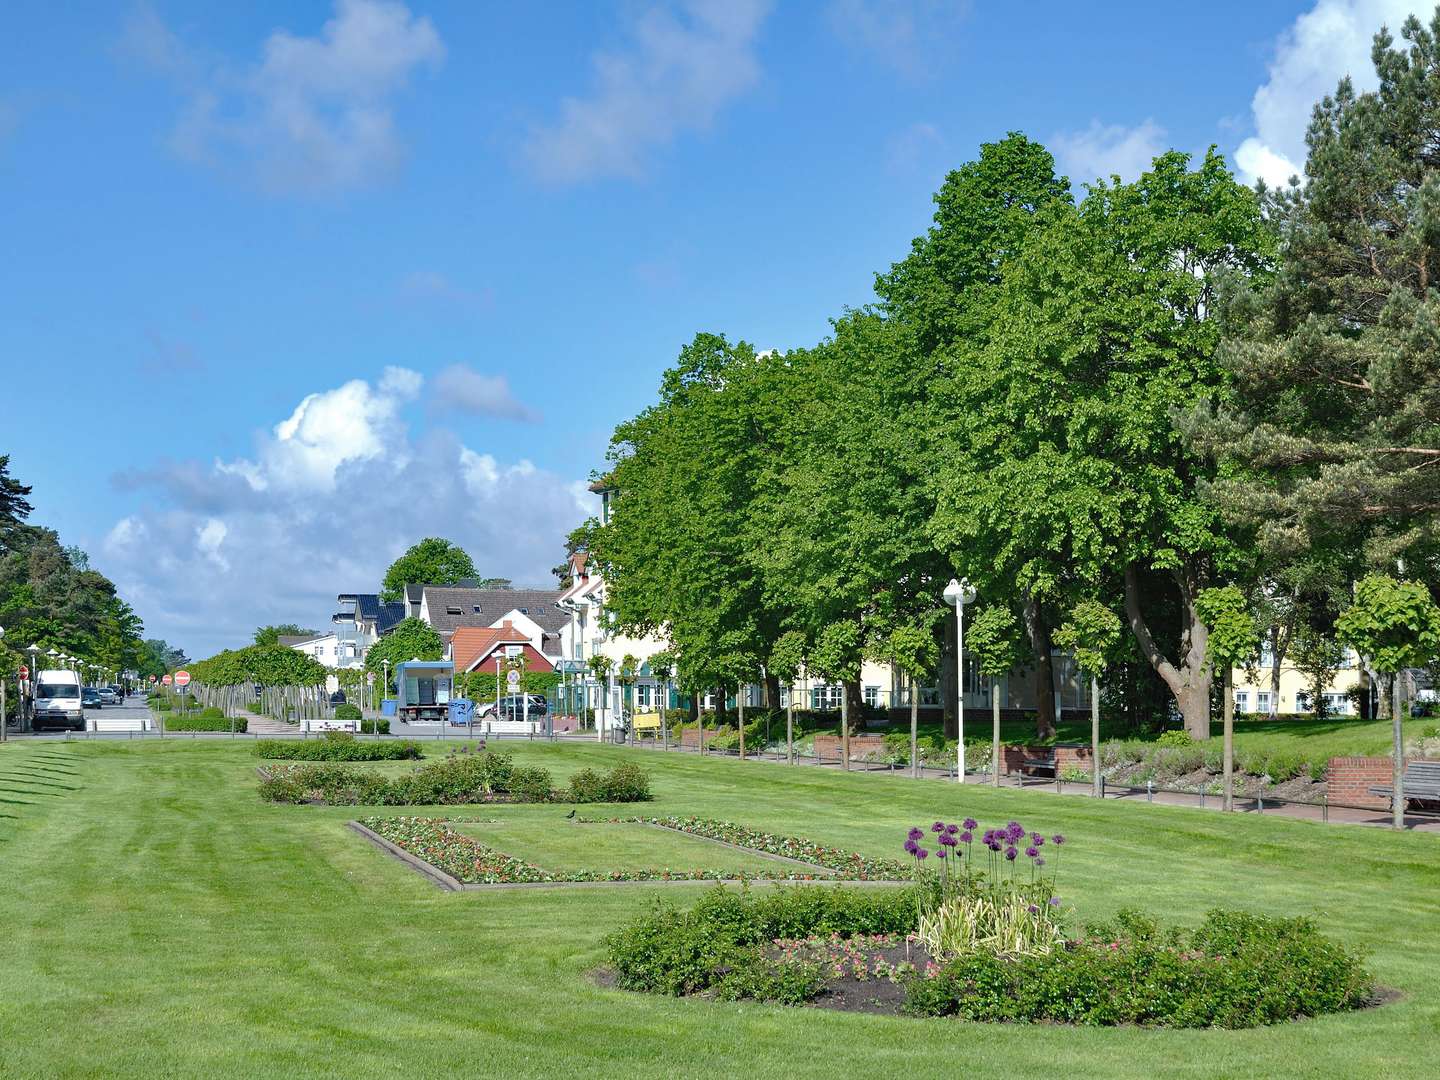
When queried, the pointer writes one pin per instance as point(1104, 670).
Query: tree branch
point(1141, 629)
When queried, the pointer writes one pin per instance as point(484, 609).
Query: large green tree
point(410, 639)
point(1066, 472)
point(1333, 434)
point(270, 635)
point(432, 561)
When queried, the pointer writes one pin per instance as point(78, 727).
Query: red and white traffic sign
point(182, 677)
point(24, 672)
point(166, 679)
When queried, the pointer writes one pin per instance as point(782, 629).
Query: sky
point(285, 287)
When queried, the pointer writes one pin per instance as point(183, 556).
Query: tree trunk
point(1397, 727)
point(1227, 799)
point(1189, 681)
point(1095, 736)
point(1275, 654)
point(740, 707)
point(946, 679)
point(914, 729)
point(1038, 630)
point(845, 729)
point(772, 691)
point(995, 735)
point(790, 728)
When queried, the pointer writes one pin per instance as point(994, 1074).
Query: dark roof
point(413, 593)
point(296, 639)
point(481, 607)
point(389, 615)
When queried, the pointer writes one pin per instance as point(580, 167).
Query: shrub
point(337, 746)
point(624, 783)
point(367, 727)
point(1236, 970)
point(347, 711)
point(1178, 738)
point(200, 722)
point(722, 938)
point(531, 784)
point(324, 782)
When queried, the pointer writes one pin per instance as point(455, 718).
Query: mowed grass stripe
point(181, 927)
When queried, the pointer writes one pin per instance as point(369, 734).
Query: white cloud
point(687, 61)
point(907, 35)
point(352, 423)
point(332, 495)
point(1105, 150)
point(913, 147)
point(461, 389)
point(1321, 47)
point(315, 114)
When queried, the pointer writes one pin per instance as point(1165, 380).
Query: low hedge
point(337, 746)
point(459, 778)
point(201, 722)
point(367, 727)
point(347, 711)
point(1236, 970)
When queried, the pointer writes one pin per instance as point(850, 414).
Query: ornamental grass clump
point(1000, 900)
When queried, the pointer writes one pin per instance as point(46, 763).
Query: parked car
point(57, 701)
point(512, 707)
point(90, 698)
point(108, 695)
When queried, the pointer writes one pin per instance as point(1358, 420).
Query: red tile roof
point(471, 644)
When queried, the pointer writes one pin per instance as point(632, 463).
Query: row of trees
point(1092, 404)
point(51, 596)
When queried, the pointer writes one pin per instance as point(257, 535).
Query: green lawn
point(160, 921)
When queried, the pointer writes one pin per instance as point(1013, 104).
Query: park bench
point(1039, 764)
point(1422, 782)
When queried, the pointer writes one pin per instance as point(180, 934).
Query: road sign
point(166, 680)
point(512, 680)
point(24, 672)
point(182, 678)
point(572, 667)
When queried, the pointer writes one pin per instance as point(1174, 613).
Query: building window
point(1302, 701)
point(642, 695)
point(1262, 701)
point(1242, 700)
point(825, 698)
point(872, 696)
point(1337, 704)
point(930, 695)
point(452, 611)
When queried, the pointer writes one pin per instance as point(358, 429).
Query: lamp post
point(958, 594)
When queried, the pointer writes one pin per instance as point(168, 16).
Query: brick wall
point(1349, 777)
point(828, 746)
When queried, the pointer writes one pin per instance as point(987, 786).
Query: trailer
point(422, 691)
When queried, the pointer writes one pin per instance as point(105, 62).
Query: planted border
point(466, 861)
point(849, 865)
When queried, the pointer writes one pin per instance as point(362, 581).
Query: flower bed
point(982, 939)
point(847, 864)
point(471, 862)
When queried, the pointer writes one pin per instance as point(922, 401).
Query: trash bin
point(461, 712)
point(387, 706)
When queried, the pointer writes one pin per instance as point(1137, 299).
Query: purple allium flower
point(915, 834)
point(993, 845)
point(939, 826)
point(921, 854)
point(966, 837)
point(1037, 839)
point(952, 829)
point(940, 853)
point(1010, 853)
point(1033, 910)
point(1054, 901)
point(1014, 831)
point(947, 840)
point(1040, 860)
point(970, 823)
point(911, 846)
point(1057, 839)
point(1032, 851)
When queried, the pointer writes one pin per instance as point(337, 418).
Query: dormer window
point(452, 611)
point(477, 609)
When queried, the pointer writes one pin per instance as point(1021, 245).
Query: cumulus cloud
point(462, 389)
point(313, 115)
point(907, 35)
point(1105, 150)
point(1314, 53)
point(685, 63)
point(331, 495)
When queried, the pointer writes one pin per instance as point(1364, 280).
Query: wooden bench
point(1036, 764)
point(1422, 782)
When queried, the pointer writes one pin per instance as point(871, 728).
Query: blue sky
point(302, 282)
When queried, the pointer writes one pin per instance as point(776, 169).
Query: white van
point(57, 701)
